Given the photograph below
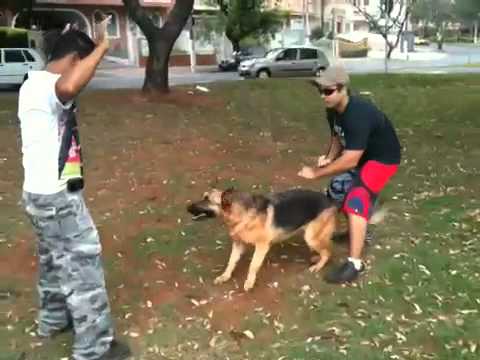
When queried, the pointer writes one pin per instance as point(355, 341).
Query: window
point(14, 56)
point(113, 29)
point(288, 55)
point(308, 54)
point(28, 56)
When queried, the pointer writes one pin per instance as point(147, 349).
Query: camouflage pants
point(340, 185)
point(71, 284)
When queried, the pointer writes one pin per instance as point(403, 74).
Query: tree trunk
point(440, 41)
point(156, 71)
point(235, 42)
point(389, 51)
point(160, 40)
point(235, 45)
point(30, 14)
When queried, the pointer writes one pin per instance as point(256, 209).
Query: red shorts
point(372, 178)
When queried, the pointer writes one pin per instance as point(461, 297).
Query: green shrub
point(13, 38)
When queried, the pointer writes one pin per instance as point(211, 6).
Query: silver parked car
point(292, 61)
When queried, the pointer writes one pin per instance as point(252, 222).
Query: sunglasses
point(329, 91)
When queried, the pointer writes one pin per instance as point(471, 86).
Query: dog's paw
point(315, 258)
point(221, 279)
point(249, 284)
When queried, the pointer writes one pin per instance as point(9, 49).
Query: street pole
point(334, 30)
point(306, 14)
point(386, 36)
point(386, 47)
point(193, 55)
point(407, 33)
point(475, 30)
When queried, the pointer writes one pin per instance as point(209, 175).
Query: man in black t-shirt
point(364, 150)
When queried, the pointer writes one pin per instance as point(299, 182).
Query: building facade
point(128, 44)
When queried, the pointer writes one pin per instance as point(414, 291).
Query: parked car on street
point(233, 63)
point(421, 41)
point(291, 61)
point(16, 63)
point(237, 57)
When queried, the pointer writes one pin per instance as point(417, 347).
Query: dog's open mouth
point(199, 213)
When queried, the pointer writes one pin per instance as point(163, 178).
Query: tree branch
point(178, 17)
point(391, 22)
point(402, 26)
point(140, 16)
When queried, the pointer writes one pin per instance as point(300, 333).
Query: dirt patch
point(185, 97)
point(18, 261)
point(139, 177)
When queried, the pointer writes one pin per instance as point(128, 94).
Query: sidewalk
point(109, 66)
point(422, 58)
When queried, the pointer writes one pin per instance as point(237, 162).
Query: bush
point(359, 53)
point(458, 38)
point(13, 38)
point(353, 50)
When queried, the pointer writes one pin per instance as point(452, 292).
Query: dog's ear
point(227, 199)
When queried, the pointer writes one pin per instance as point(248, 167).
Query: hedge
point(13, 38)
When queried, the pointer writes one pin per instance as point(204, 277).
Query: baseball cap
point(332, 76)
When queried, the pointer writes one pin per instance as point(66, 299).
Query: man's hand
point(101, 36)
point(307, 172)
point(323, 161)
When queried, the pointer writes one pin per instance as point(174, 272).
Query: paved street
point(454, 59)
point(425, 60)
point(130, 77)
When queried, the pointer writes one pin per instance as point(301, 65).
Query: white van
point(16, 63)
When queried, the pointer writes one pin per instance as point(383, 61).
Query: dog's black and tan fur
point(262, 221)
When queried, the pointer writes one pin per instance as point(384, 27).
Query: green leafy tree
point(390, 20)
point(468, 12)
point(243, 19)
point(435, 12)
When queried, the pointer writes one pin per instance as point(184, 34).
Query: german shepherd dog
point(263, 220)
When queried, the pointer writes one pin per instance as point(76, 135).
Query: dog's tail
point(378, 216)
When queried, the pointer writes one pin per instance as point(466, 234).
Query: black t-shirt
point(363, 127)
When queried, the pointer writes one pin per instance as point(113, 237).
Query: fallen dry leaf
point(249, 334)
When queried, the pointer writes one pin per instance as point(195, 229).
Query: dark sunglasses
point(329, 91)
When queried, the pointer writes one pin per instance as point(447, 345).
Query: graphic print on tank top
point(70, 164)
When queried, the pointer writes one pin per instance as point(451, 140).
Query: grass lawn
point(420, 298)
